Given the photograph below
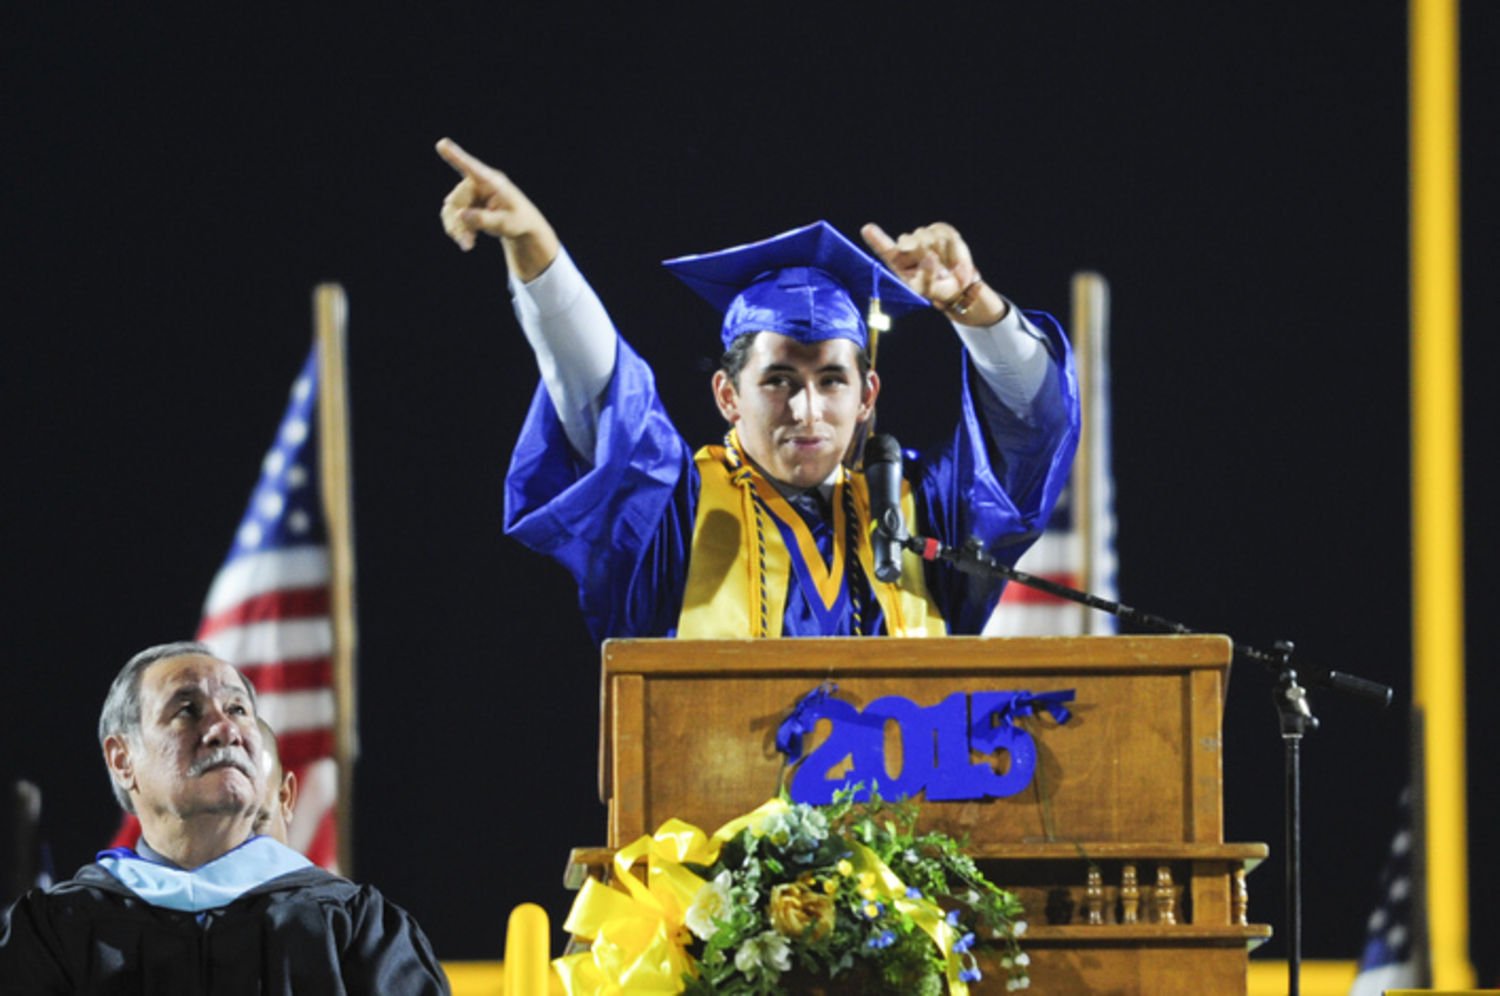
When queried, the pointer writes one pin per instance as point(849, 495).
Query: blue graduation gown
point(623, 525)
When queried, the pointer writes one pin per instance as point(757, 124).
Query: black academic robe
point(308, 931)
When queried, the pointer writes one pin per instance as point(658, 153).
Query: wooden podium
point(1116, 847)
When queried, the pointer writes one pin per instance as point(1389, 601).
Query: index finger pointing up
point(460, 160)
point(876, 238)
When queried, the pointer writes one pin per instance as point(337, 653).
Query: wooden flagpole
point(330, 316)
point(1090, 304)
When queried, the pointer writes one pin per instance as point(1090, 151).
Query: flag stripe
point(1055, 552)
point(252, 574)
point(290, 676)
point(291, 712)
point(294, 603)
point(1020, 594)
point(323, 849)
point(314, 826)
point(1043, 620)
point(309, 744)
point(266, 642)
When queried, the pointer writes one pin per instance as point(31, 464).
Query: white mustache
point(221, 756)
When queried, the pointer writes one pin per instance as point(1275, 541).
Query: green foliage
point(793, 897)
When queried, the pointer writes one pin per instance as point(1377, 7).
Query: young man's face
point(797, 405)
point(198, 749)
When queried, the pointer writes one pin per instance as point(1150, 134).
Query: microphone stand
point(1292, 707)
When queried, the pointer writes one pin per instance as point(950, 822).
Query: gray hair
point(121, 715)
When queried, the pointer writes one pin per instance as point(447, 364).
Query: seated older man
point(204, 904)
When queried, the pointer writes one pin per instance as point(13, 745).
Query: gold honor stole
point(741, 563)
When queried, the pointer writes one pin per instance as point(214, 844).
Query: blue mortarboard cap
point(810, 283)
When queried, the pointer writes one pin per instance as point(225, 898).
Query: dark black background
point(175, 185)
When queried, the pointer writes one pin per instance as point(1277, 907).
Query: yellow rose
point(795, 907)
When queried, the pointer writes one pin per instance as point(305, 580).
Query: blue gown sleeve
point(997, 478)
point(621, 524)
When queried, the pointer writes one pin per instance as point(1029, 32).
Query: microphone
point(883, 477)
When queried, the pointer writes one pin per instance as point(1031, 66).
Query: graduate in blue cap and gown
point(767, 534)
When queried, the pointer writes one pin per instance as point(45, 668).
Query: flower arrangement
point(847, 896)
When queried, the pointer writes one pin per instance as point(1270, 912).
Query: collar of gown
point(210, 886)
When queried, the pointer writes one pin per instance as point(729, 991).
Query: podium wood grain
point(1128, 790)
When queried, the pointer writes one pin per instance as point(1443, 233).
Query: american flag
point(1392, 956)
point(1058, 556)
point(267, 613)
point(1078, 547)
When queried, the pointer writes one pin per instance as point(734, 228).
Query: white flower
point(710, 903)
point(773, 825)
point(799, 830)
point(1023, 959)
point(768, 951)
point(1018, 928)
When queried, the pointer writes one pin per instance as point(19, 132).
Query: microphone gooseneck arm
point(1292, 707)
point(971, 558)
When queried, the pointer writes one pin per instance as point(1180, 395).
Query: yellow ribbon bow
point(637, 928)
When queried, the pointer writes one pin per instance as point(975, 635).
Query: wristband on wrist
point(964, 300)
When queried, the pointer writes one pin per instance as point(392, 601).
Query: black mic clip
point(882, 460)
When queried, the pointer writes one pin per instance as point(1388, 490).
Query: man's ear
point(726, 396)
point(117, 758)
point(872, 390)
point(286, 796)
